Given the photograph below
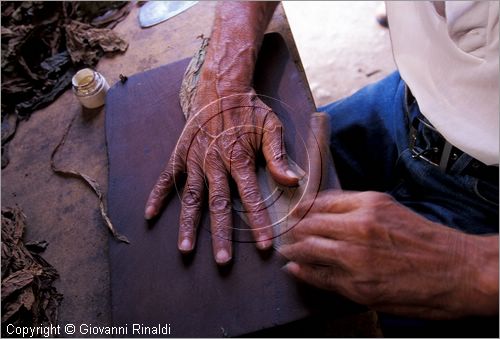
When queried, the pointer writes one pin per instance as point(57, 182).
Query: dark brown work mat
point(151, 282)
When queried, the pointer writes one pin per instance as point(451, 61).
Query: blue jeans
point(371, 151)
point(370, 145)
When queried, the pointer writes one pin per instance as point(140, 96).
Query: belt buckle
point(446, 149)
point(443, 159)
point(422, 154)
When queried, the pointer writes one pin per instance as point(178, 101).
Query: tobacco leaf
point(44, 43)
point(92, 183)
point(112, 17)
point(189, 83)
point(16, 281)
point(25, 299)
point(28, 297)
point(102, 14)
point(37, 246)
point(87, 44)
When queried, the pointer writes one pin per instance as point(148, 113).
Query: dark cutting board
point(151, 282)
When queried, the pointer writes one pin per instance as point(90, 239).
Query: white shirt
point(448, 54)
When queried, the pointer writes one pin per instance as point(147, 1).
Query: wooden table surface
point(63, 211)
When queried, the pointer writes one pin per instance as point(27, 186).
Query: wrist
point(481, 276)
point(229, 72)
point(234, 44)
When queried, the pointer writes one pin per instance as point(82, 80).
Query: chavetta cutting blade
point(154, 12)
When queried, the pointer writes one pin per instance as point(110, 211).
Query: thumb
point(275, 154)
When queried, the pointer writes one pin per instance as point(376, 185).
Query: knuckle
point(192, 197)
point(278, 151)
point(374, 213)
point(310, 243)
point(385, 198)
point(370, 196)
point(165, 177)
point(315, 247)
point(367, 225)
point(366, 218)
point(186, 226)
point(188, 222)
point(242, 153)
point(219, 204)
point(373, 198)
point(221, 231)
point(368, 231)
point(272, 121)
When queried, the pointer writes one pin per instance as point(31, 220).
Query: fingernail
point(264, 243)
point(222, 256)
point(291, 267)
point(185, 245)
point(150, 212)
point(292, 174)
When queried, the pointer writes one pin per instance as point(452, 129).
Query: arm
point(379, 253)
point(229, 124)
point(480, 275)
point(235, 42)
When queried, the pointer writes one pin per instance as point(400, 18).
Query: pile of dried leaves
point(28, 297)
point(43, 44)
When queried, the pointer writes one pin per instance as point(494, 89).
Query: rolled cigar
point(318, 147)
point(320, 168)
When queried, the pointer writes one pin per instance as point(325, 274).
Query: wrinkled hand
point(221, 139)
point(377, 252)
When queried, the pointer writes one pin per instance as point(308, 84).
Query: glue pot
point(90, 88)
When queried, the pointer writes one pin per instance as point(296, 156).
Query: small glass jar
point(90, 88)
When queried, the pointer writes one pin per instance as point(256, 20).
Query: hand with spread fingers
point(219, 142)
point(373, 250)
point(228, 126)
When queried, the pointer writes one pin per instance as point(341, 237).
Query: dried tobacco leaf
point(28, 297)
point(189, 84)
point(87, 44)
point(92, 183)
point(44, 43)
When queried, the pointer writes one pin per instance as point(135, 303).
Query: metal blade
point(154, 12)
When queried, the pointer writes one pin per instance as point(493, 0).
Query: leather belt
point(428, 144)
